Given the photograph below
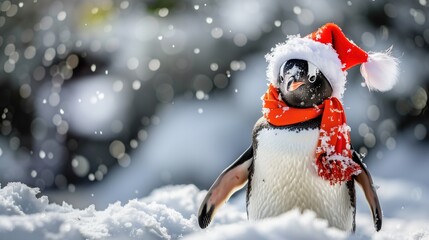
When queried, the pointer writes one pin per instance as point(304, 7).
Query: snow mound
point(19, 199)
point(170, 213)
point(291, 225)
point(149, 218)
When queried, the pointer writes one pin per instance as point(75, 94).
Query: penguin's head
point(302, 84)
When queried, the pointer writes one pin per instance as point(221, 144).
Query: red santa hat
point(333, 53)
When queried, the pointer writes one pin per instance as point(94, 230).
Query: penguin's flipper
point(229, 181)
point(365, 181)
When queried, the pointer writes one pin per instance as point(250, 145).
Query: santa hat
point(333, 53)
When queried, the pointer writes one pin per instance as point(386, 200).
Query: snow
point(292, 225)
point(25, 216)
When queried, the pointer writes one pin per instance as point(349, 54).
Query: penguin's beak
point(293, 84)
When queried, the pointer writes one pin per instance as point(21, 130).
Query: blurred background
point(104, 100)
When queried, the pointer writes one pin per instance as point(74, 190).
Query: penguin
point(301, 156)
point(278, 166)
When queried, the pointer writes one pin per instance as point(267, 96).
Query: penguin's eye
point(281, 79)
point(313, 72)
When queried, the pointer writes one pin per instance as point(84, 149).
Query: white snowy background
point(117, 115)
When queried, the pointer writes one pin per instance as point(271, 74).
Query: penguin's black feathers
point(364, 179)
point(229, 181)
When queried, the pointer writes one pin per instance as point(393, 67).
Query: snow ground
point(170, 213)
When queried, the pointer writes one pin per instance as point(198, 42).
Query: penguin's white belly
point(285, 178)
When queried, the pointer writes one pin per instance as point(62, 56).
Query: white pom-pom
point(380, 71)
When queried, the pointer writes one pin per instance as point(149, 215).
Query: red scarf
point(333, 158)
